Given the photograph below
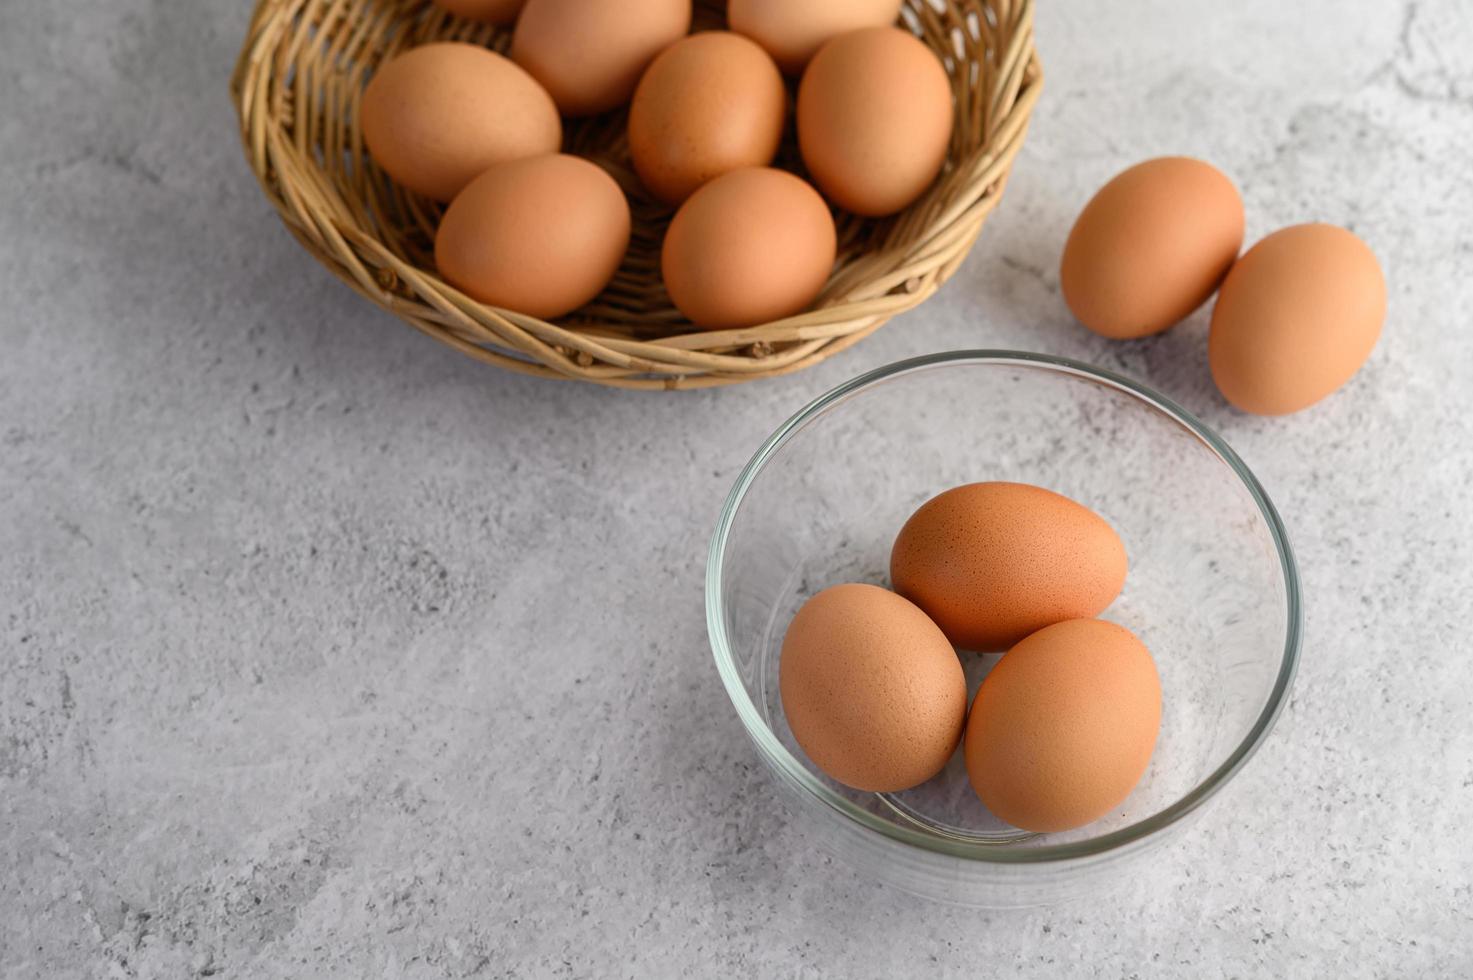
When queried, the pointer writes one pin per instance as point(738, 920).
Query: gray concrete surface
point(329, 653)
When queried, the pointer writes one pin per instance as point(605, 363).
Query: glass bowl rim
point(759, 731)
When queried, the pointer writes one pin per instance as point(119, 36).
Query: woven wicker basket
point(297, 87)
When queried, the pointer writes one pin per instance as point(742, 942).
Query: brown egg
point(793, 30)
point(589, 53)
point(439, 114)
point(541, 236)
point(871, 689)
point(874, 119)
point(1151, 246)
point(749, 247)
point(710, 103)
point(993, 562)
point(487, 11)
point(1063, 727)
point(1297, 317)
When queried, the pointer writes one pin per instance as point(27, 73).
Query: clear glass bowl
point(1212, 590)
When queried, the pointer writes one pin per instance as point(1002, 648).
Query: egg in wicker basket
point(298, 86)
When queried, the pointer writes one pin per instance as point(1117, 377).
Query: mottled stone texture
point(330, 653)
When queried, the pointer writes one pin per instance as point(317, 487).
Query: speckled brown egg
point(540, 236)
point(749, 247)
point(874, 119)
point(793, 30)
point(872, 691)
point(589, 54)
point(486, 11)
point(1151, 246)
point(440, 114)
point(993, 562)
point(710, 103)
point(1063, 727)
point(1296, 318)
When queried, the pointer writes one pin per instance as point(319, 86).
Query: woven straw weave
point(297, 88)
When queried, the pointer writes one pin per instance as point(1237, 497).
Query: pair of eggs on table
point(1063, 726)
point(541, 233)
point(1296, 315)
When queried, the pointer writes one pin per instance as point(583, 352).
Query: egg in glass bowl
point(1212, 591)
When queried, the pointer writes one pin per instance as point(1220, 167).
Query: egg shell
point(541, 236)
point(994, 562)
point(1297, 317)
point(751, 246)
point(1063, 727)
point(792, 31)
point(874, 119)
point(589, 54)
point(708, 104)
point(872, 691)
point(1151, 246)
point(438, 115)
point(485, 11)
